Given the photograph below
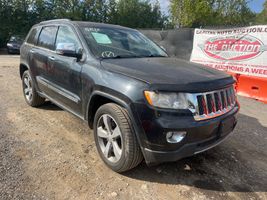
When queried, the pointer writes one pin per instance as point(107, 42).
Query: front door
point(65, 73)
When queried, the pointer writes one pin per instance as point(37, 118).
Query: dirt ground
point(47, 153)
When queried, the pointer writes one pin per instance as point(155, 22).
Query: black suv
point(140, 102)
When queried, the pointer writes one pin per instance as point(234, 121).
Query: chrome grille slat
point(226, 100)
point(206, 105)
point(221, 103)
point(232, 95)
point(229, 97)
point(215, 103)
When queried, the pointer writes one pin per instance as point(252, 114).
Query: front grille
point(212, 104)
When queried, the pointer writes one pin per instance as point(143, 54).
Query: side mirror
point(68, 49)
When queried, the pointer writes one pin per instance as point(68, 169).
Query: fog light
point(175, 136)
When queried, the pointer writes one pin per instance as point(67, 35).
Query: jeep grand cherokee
point(139, 102)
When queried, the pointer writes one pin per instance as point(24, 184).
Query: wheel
point(30, 94)
point(115, 139)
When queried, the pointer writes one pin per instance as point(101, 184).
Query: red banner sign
point(240, 50)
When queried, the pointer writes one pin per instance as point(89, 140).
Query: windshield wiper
point(122, 56)
point(155, 55)
point(133, 56)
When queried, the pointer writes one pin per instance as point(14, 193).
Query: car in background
point(14, 44)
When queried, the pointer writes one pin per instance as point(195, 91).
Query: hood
point(170, 74)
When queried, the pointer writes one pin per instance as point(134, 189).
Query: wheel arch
point(99, 98)
point(121, 100)
point(22, 69)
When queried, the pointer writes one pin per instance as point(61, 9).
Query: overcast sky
point(255, 5)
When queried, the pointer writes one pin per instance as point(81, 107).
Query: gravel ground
point(47, 153)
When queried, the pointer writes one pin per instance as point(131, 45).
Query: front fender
point(126, 103)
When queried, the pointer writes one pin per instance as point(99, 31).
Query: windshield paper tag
point(101, 38)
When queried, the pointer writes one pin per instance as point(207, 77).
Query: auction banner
point(237, 50)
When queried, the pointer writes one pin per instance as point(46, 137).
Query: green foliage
point(139, 14)
point(94, 10)
point(12, 12)
point(17, 16)
point(190, 13)
point(196, 13)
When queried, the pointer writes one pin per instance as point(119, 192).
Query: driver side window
point(67, 37)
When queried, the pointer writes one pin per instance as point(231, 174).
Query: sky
point(255, 5)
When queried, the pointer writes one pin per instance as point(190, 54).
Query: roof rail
point(55, 20)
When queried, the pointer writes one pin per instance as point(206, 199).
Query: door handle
point(32, 51)
point(52, 58)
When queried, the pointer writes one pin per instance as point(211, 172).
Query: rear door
point(41, 54)
point(28, 50)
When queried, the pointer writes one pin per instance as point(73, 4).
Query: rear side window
point(47, 37)
point(32, 39)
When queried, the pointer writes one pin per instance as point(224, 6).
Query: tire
point(116, 118)
point(31, 96)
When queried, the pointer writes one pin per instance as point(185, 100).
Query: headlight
point(167, 100)
point(9, 45)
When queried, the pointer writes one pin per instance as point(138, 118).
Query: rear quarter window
point(33, 36)
point(47, 37)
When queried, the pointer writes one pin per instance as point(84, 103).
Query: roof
point(99, 25)
point(84, 23)
point(54, 21)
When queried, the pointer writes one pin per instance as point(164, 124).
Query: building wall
point(178, 43)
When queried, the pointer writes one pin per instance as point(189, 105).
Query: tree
point(232, 12)
point(43, 10)
point(112, 12)
point(139, 14)
point(95, 10)
point(14, 17)
point(190, 13)
point(262, 17)
point(195, 13)
point(71, 9)
point(17, 16)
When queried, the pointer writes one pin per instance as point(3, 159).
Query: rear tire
point(115, 139)
point(31, 96)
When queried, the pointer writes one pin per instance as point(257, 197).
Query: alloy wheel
point(109, 138)
point(28, 90)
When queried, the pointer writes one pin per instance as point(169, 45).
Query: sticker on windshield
point(101, 38)
point(92, 29)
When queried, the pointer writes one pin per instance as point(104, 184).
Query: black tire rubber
point(37, 100)
point(131, 152)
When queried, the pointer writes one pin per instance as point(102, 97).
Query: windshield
point(120, 43)
point(16, 39)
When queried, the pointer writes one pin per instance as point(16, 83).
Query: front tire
point(31, 96)
point(115, 139)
